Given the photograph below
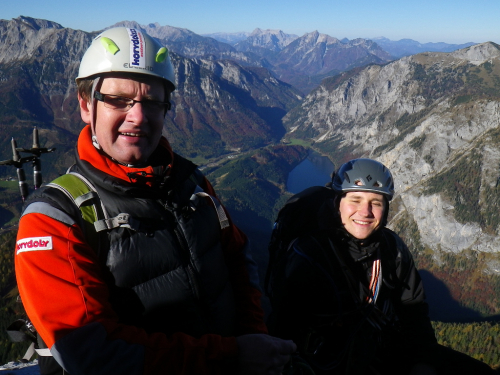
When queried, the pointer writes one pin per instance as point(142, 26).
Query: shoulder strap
point(85, 196)
point(197, 179)
point(221, 214)
point(388, 258)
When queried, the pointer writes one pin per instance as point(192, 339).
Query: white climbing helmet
point(127, 50)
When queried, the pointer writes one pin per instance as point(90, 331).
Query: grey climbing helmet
point(364, 175)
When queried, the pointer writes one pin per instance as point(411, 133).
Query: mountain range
point(396, 48)
point(248, 111)
point(407, 47)
point(299, 61)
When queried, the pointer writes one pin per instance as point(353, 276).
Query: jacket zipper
point(190, 267)
point(185, 251)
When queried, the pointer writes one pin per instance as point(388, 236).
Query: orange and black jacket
point(166, 293)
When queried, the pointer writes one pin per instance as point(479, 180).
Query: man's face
point(128, 137)
point(361, 213)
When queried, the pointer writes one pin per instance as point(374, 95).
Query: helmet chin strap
point(139, 165)
point(95, 143)
point(96, 85)
point(97, 82)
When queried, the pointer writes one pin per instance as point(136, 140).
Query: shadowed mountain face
point(219, 106)
point(442, 306)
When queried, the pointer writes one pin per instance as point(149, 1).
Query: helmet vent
point(109, 45)
point(364, 175)
point(161, 55)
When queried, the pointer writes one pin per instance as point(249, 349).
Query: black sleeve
point(290, 296)
point(303, 294)
point(412, 309)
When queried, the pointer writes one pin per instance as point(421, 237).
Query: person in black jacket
point(350, 295)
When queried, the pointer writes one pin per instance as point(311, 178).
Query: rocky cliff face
point(220, 106)
point(38, 65)
point(321, 55)
point(431, 118)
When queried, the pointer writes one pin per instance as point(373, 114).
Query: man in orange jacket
point(164, 283)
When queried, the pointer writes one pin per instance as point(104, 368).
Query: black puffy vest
point(166, 270)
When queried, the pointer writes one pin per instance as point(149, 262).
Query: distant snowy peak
point(21, 368)
point(320, 54)
point(273, 40)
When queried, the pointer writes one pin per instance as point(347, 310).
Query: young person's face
point(129, 137)
point(362, 212)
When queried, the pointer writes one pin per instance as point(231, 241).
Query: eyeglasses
point(123, 104)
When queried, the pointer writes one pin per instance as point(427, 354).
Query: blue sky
point(457, 21)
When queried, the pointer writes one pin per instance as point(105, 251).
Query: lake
point(315, 170)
